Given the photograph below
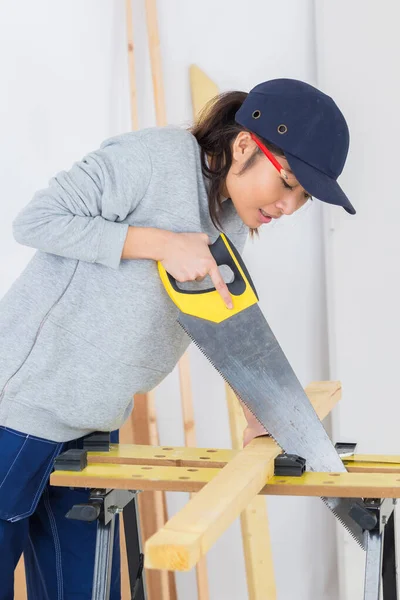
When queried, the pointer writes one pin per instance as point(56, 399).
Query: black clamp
point(345, 449)
point(75, 459)
point(71, 460)
point(373, 513)
point(99, 441)
point(289, 465)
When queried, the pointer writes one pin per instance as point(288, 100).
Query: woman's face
point(261, 194)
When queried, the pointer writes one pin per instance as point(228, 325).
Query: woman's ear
point(242, 148)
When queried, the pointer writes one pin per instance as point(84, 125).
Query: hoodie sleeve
point(80, 215)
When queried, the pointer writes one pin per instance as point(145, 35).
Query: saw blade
point(256, 368)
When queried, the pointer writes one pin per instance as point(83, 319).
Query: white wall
point(64, 89)
point(364, 292)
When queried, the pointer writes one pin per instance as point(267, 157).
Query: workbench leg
point(389, 567)
point(134, 551)
point(373, 565)
point(103, 560)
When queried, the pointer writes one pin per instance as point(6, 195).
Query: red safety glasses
point(270, 156)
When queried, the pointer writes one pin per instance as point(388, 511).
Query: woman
point(88, 323)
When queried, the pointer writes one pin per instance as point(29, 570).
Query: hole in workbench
point(282, 481)
point(159, 456)
point(328, 482)
point(137, 475)
point(146, 468)
point(205, 457)
point(212, 450)
point(167, 448)
point(335, 475)
point(184, 477)
point(192, 470)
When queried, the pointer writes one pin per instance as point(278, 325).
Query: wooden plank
point(189, 534)
point(218, 457)
point(156, 67)
point(125, 477)
point(190, 442)
point(174, 456)
point(202, 89)
point(257, 550)
point(372, 463)
point(324, 395)
point(131, 65)
point(340, 485)
point(383, 459)
point(152, 504)
point(182, 479)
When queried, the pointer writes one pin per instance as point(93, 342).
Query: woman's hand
point(254, 427)
point(252, 431)
point(187, 257)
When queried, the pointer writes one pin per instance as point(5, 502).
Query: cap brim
point(318, 184)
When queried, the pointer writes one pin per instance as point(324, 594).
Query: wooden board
point(257, 550)
point(184, 479)
point(152, 504)
point(202, 88)
point(189, 534)
point(185, 386)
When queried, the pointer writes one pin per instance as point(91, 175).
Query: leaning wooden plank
point(202, 89)
point(152, 505)
point(191, 533)
point(156, 66)
point(257, 550)
point(190, 441)
point(131, 64)
point(323, 395)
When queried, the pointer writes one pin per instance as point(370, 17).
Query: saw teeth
point(361, 543)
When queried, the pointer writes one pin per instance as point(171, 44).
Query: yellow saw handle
point(208, 304)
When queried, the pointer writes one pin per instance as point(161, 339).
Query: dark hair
point(215, 130)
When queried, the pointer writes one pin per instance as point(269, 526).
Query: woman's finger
point(221, 286)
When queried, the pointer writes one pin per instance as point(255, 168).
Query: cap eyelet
point(282, 128)
point(256, 114)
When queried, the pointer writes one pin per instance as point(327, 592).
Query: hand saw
point(241, 346)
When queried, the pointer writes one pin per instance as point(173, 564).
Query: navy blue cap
point(309, 127)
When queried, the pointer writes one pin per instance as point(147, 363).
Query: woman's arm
point(79, 215)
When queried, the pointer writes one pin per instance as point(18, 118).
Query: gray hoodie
point(82, 331)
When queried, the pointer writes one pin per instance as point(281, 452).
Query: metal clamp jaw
point(289, 465)
point(103, 504)
point(382, 508)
